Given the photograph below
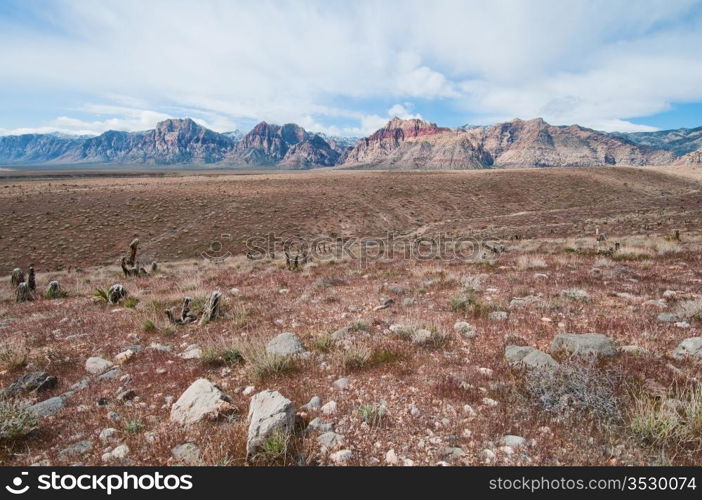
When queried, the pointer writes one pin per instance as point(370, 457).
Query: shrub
point(575, 388)
point(676, 422)
point(149, 326)
point(133, 426)
point(101, 295)
point(262, 364)
point(218, 355)
point(275, 448)
point(530, 262)
point(130, 302)
point(323, 343)
point(373, 415)
point(355, 358)
point(15, 421)
point(13, 355)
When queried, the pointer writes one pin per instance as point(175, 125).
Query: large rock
point(269, 412)
point(202, 400)
point(96, 364)
point(691, 347)
point(528, 357)
point(285, 344)
point(583, 344)
point(47, 407)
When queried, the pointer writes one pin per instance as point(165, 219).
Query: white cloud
point(597, 63)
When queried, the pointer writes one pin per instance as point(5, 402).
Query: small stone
point(341, 456)
point(77, 449)
point(391, 458)
point(314, 404)
point(124, 356)
point(667, 317)
point(329, 408)
point(488, 455)
point(106, 435)
point(127, 395)
point(577, 294)
point(248, 390)
point(187, 454)
point(513, 441)
point(633, 350)
point(691, 347)
point(469, 411)
point(330, 440)
point(319, 425)
point(342, 383)
point(191, 352)
point(120, 452)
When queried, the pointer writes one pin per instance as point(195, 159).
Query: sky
point(345, 67)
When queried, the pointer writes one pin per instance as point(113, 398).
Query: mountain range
point(400, 144)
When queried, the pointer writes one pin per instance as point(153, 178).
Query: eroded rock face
point(201, 401)
point(269, 412)
point(693, 158)
point(518, 143)
point(583, 344)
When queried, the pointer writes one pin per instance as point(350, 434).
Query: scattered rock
point(127, 395)
point(110, 374)
point(202, 400)
point(521, 302)
point(269, 412)
point(119, 453)
point(583, 344)
point(391, 458)
point(124, 356)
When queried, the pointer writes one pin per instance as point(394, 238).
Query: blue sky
point(346, 67)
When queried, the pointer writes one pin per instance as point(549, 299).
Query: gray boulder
point(47, 407)
point(285, 344)
point(528, 357)
point(691, 347)
point(202, 400)
point(269, 412)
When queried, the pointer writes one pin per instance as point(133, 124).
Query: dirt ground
point(451, 399)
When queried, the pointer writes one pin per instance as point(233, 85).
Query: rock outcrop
point(693, 158)
point(533, 143)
